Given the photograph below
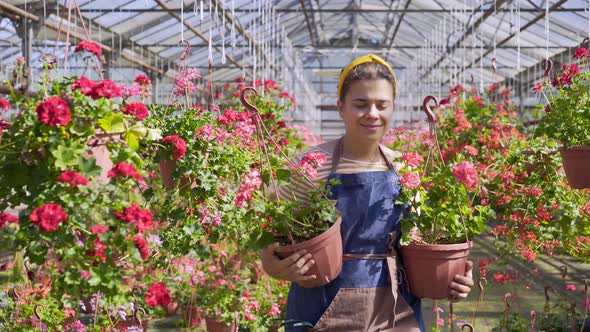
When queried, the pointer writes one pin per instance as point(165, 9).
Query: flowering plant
point(70, 161)
point(441, 193)
point(567, 111)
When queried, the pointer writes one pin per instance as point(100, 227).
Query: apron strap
point(338, 150)
point(392, 266)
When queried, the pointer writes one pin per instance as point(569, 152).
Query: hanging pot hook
point(472, 80)
point(187, 49)
point(480, 286)
point(547, 288)
point(563, 270)
point(134, 295)
point(250, 107)
point(506, 302)
point(469, 326)
point(137, 317)
point(16, 291)
point(494, 67)
point(533, 316)
point(585, 286)
point(548, 67)
point(586, 40)
point(428, 110)
point(35, 312)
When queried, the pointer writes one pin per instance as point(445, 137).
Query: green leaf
point(113, 123)
point(89, 167)
point(67, 155)
point(138, 129)
point(80, 129)
point(132, 141)
point(153, 134)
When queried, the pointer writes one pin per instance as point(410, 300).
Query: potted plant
point(313, 225)
point(567, 117)
point(442, 216)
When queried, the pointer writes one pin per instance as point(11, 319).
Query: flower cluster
point(251, 182)
point(6, 218)
point(73, 178)
point(184, 83)
point(90, 47)
point(178, 144)
point(137, 109)
point(49, 216)
point(310, 162)
point(125, 170)
point(158, 295)
point(466, 173)
point(142, 246)
point(54, 111)
point(143, 219)
point(105, 88)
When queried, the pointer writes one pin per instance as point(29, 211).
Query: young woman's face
point(367, 109)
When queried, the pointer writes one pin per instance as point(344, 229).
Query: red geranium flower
point(466, 173)
point(142, 218)
point(125, 170)
point(107, 89)
point(85, 85)
point(410, 180)
point(158, 294)
point(580, 53)
point(142, 246)
point(73, 178)
point(413, 159)
point(98, 229)
point(178, 144)
point(90, 47)
point(48, 216)
point(6, 218)
point(54, 111)
point(136, 109)
point(4, 105)
point(143, 80)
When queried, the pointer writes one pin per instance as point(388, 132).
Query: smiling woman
point(367, 295)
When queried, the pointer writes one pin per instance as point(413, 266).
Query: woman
point(371, 293)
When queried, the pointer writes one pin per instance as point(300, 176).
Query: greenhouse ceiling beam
point(512, 35)
point(195, 31)
point(188, 9)
point(469, 31)
point(75, 35)
point(396, 30)
point(313, 42)
point(332, 48)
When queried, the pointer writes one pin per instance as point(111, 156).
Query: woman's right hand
point(292, 268)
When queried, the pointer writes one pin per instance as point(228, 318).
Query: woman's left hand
point(461, 285)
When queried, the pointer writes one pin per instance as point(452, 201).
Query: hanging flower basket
point(576, 163)
point(431, 268)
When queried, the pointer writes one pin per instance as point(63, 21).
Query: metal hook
point(472, 80)
point(136, 315)
point(468, 326)
point(494, 67)
point(506, 302)
point(547, 288)
point(548, 67)
point(16, 291)
point(35, 310)
point(563, 270)
point(586, 40)
point(135, 299)
point(245, 102)
point(187, 49)
point(480, 286)
point(533, 316)
point(428, 110)
point(585, 286)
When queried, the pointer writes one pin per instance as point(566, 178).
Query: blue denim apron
point(369, 216)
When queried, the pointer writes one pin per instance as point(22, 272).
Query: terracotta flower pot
point(576, 163)
point(431, 268)
point(167, 168)
point(326, 251)
point(214, 325)
point(171, 308)
point(192, 315)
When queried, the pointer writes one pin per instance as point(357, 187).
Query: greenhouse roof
point(431, 44)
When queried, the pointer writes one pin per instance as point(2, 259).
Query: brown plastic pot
point(576, 163)
point(214, 325)
point(326, 251)
point(430, 268)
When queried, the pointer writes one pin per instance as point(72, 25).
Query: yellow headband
point(365, 59)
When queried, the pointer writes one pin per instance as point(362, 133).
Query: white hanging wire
point(181, 19)
point(201, 8)
point(518, 35)
point(223, 33)
point(481, 51)
point(495, 17)
point(547, 30)
point(210, 41)
point(233, 26)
